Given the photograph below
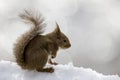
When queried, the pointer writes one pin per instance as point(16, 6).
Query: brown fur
point(33, 49)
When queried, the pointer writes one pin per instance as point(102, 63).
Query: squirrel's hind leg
point(51, 70)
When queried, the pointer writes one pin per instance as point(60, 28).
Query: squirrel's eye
point(64, 40)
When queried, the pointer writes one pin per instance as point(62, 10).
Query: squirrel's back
point(37, 28)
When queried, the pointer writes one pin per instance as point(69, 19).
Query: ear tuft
point(57, 30)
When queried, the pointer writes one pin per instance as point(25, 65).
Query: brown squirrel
point(33, 50)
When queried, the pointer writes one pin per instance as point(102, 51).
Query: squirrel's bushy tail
point(37, 28)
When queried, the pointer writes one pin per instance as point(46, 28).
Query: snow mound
point(11, 71)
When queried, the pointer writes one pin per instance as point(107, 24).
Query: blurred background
point(93, 27)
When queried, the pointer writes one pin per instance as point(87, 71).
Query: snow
point(11, 71)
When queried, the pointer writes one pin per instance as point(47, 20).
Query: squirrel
point(33, 50)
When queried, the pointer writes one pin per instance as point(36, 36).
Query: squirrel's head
point(61, 39)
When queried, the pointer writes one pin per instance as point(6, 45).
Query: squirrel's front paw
point(55, 63)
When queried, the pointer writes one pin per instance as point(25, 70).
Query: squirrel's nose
point(67, 46)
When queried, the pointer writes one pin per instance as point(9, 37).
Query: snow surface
point(11, 71)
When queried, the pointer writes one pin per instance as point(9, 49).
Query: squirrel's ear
point(57, 30)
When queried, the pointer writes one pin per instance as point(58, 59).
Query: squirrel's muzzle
point(67, 46)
